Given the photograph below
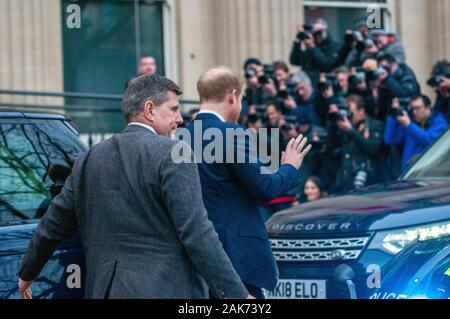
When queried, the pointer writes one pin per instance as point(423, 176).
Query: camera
point(342, 113)
point(355, 36)
point(249, 73)
point(375, 74)
point(361, 175)
point(330, 82)
point(291, 123)
point(437, 79)
point(303, 35)
point(318, 138)
point(283, 94)
point(268, 74)
point(260, 110)
point(357, 78)
point(405, 106)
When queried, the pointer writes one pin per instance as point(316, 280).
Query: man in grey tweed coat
point(143, 225)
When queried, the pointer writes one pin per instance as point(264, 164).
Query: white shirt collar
point(148, 127)
point(213, 113)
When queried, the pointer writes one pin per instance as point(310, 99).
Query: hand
point(384, 74)
point(296, 152)
point(309, 41)
point(344, 124)
point(25, 289)
point(446, 82)
point(333, 108)
point(395, 103)
point(250, 297)
point(282, 86)
point(404, 119)
point(270, 88)
point(290, 103)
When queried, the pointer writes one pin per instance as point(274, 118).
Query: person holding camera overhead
point(440, 82)
point(354, 144)
point(314, 50)
point(394, 80)
point(417, 133)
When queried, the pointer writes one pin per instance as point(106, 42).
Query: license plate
point(298, 289)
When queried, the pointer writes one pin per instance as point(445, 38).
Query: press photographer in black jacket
point(314, 50)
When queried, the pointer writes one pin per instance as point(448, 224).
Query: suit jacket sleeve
point(255, 178)
point(181, 193)
point(57, 224)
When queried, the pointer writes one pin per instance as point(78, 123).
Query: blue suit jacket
point(232, 193)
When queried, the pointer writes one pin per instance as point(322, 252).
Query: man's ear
point(233, 96)
point(149, 108)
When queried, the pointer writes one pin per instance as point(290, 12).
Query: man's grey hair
point(301, 77)
point(146, 88)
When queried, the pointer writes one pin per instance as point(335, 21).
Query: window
point(35, 159)
point(102, 54)
point(343, 15)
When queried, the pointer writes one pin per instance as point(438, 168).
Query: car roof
point(17, 113)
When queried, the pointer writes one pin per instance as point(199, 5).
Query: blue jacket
point(414, 138)
point(232, 193)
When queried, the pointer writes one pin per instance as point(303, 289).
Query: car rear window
point(36, 157)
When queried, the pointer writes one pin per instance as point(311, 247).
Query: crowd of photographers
point(359, 103)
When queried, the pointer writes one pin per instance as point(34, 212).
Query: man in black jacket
point(355, 145)
point(395, 80)
point(314, 50)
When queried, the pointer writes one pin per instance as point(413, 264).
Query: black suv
point(37, 152)
point(363, 230)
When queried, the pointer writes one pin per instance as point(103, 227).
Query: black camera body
point(303, 35)
point(330, 82)
point(373, 75)
point(357, 78)
point(249, 73)
point(291, 121)
point(355, 36)
point(268, 74)
point(437, 79)
point(342, 113)
point(405, 106)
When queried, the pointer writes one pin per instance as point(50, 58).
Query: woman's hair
point(318, 182)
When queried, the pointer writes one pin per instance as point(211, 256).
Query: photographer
point(301, 104)
point(314, 50)
point(393, 80)
point(342, 77)
point(354, 144)
point(275, 119)
point(415, 135)
point(365, 50)
point(260, 87)
point(440, 81)
point(359, 85)
point(326, 96)
point(388, 43)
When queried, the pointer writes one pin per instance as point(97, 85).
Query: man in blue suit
point(233, 189)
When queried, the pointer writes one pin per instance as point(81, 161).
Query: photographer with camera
point(393, 80)
point(359, 85)
point(355, 141)
point(389, 43)
point(260, 86)
point(417, 133)
point(440, 81)
point(302, 101)
point(314, 50)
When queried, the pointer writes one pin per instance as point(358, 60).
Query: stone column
point(31, 48)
